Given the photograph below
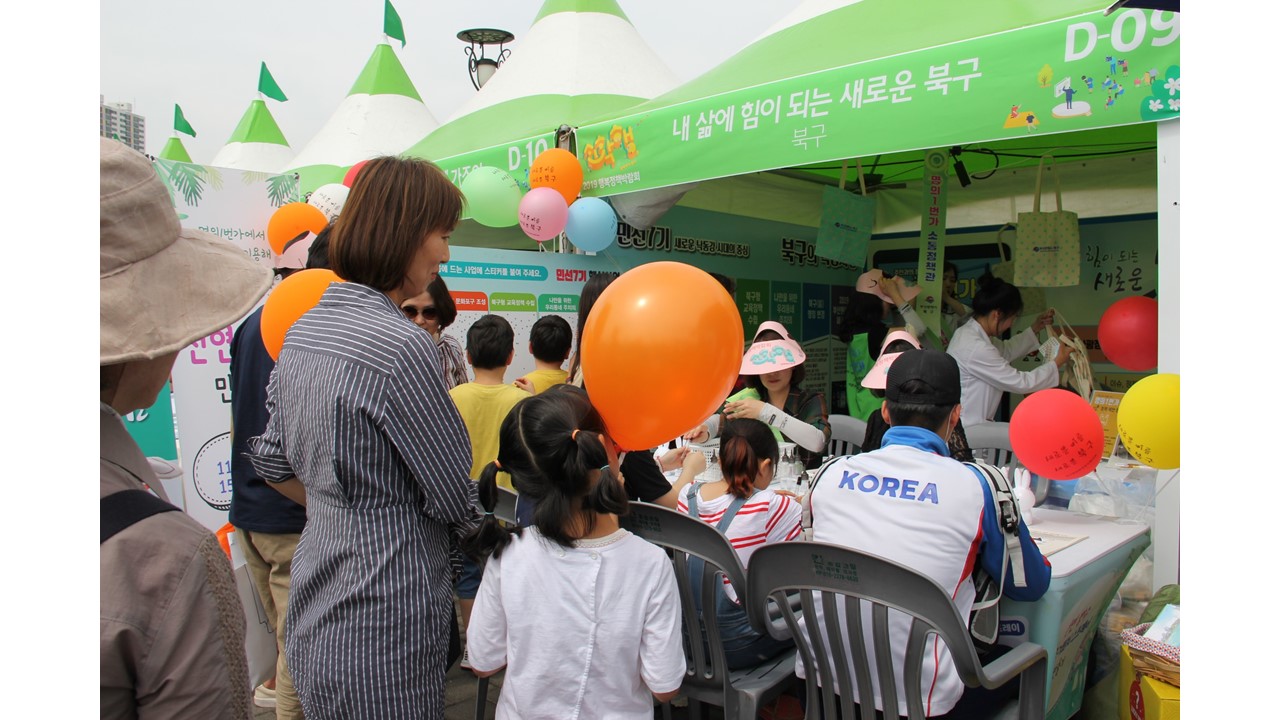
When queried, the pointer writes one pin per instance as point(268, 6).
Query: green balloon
point(493, 197)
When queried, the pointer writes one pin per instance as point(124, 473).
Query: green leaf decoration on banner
point(185, 178)
point(161, 166)
point(189, 180)
point(1165, 100)
point(252, 177)
point(282, 189)
point(212, 175)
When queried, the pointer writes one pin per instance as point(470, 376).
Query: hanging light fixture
point(479, 67)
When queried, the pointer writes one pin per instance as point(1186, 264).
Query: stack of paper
point(1050, 543)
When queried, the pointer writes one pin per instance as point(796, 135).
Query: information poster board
point(1106, 404)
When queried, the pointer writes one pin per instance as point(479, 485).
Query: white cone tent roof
point(382, 114)
point(580, 59)
point(256, 144)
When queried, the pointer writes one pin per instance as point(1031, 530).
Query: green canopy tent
point(943, 75)
point(881, 82)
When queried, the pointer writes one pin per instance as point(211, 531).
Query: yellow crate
point(1143, 697)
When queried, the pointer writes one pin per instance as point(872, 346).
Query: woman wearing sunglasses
point(433, 311)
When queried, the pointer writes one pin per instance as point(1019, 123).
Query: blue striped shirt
point(360, 415)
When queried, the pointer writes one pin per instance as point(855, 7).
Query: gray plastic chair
point(843, 575)
point(505, 509)
point(990, 443)
point(707, 679)
point(846, 435)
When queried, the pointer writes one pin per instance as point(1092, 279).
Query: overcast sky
point(205, 56)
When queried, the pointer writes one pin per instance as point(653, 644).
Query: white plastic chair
point(990, 443)
point(846, 435)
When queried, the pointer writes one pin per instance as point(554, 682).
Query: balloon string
point(1167, 483)
point(613, 260)
point(1150, 506)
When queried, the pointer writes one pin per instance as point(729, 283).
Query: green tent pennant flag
point(180, 123)
point(391, 25)
point(267, 85)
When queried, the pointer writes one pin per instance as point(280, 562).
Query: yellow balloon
point(1149, 421)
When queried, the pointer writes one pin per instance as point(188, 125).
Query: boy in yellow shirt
point(550, 340)
point(485, 401)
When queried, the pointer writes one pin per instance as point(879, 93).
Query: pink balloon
point(543, 213)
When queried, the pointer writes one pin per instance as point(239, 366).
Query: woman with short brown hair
point(363, 431)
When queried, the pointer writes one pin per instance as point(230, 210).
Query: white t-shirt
point(585, 632)
point(764, 519)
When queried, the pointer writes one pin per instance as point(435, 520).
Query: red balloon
point(1056, 434)
point(1127, 333)
point(660, 352)
point(350, 177)
point(290, 300)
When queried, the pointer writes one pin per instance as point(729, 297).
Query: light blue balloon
point(592, 224)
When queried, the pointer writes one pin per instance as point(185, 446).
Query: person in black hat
point(911, 503)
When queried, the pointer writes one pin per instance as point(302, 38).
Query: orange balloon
point(292, 298)
point(290, 221)
point(660, 352)
point(559, 170)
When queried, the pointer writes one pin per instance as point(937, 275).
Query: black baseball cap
point(937, 370)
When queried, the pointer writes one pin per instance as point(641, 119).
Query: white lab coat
point(985, 372)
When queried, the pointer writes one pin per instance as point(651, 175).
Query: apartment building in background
point(118, 121)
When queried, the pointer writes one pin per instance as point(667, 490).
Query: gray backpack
point(984, 619)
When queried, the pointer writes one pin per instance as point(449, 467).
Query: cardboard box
point(1144, 698)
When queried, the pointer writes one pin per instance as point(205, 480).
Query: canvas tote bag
point(1047, 253)
point(1033, 299)
point(845, 227)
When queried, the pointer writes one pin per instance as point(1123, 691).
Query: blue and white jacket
point(911, 503)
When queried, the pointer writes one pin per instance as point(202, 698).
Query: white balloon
point(329, 199)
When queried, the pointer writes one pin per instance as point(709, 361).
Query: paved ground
point(459, 696)
point(460, 701)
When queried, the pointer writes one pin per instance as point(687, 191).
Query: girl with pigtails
point(750, 515)
point(584, 615)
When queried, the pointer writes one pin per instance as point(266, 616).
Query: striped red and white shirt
point(764, 519)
